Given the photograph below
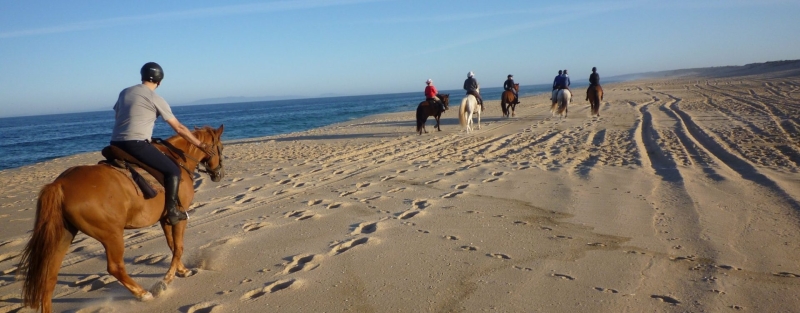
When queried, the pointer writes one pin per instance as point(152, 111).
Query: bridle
point(213, 172)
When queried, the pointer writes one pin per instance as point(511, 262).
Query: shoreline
point(681, 196)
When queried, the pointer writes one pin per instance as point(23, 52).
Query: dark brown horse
point(594, 94)
point(102, 202)
point(425, 109)
point(507, 101)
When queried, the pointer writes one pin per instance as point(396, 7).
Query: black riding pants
point(149, 155)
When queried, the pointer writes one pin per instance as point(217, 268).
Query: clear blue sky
point(73, 56)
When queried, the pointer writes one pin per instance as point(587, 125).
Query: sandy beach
point(683, 196)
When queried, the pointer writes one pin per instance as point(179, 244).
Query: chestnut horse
point(102, 202)
point(425, 109)
point(508, 99)
point(594, 95)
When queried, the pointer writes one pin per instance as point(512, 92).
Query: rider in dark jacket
point(555, 84)
point(471, 86)
point(509, 86)
point(594, 80)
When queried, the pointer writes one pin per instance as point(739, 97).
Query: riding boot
point(171, 200)
point(441, 106)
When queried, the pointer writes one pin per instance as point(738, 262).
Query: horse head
point(446, 100)
point(516, 87)
point(212, 161)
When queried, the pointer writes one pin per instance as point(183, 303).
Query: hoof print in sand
point(299, 215)
point(499, 256)
point(99, 283)
point(407, 214)
point(399, 189)
point(205, 307)
point(606, 290)
point(362, 185)
point(452, 194)
point(365, 228)
point(666, 299)
point(490, 180)
point(270, 288)
point(85, 281)
point(333, 206)
point(451, 237)
point(431, 182)
point(562, 276)
point(300, 263)
point(527, 269)
point(462, 186)
point(314, 202)
point(347, 245)
point(253, 226)
point(149, 258)
point(787, 275)
point(469, 248)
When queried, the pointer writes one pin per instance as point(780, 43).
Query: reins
point(180, 154)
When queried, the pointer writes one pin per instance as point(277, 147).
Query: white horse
point(561, 98)
point(468, 106)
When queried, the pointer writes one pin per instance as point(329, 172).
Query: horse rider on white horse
point(471, 86)
point(561, 82)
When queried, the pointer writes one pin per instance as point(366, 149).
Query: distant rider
point(555, 83)
point(431, 95)
point(136, 111)
point(594, 80)
point(567, 79)
point(561, 82)
point(509, 86)
point(471, 86)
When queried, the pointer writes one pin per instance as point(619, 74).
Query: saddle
point(151, 183)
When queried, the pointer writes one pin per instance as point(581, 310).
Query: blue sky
point(73, 56)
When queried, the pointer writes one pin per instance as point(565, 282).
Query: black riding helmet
point(152, 72)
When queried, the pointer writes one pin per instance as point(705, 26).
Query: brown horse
point(102, 202)
point(507, 101)
point(425, 109)
point(594, 95)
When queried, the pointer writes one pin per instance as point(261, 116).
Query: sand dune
point(682, 196)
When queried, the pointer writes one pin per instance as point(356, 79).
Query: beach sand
point(682, 196)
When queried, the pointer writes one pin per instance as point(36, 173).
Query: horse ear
point(221, 128)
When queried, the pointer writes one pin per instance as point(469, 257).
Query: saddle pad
point(141, 178)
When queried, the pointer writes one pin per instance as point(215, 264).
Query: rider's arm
point(184, 132)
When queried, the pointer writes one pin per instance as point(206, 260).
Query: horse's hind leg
point(54, 266)
point(115, 250)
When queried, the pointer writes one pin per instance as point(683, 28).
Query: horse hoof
point(146, 297)
point(186, 273)
point(158, 289)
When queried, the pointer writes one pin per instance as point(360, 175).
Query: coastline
point(682, 196)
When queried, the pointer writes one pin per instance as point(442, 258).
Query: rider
point(471, 86)
point(431, 95)
point(555, 83)
point(567, 78)
point(136, 111)
point(561, 82)
point(509, 86)
point(594, 80)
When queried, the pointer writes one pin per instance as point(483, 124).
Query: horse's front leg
point(174, 235)
point(437, 123)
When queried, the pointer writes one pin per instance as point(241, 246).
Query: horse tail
point(462, 112)
point(48, 230)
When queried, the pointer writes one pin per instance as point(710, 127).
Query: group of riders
point(562, 82)
point(139, 106)
point(471, 86)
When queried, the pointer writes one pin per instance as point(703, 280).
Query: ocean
point(32, 139)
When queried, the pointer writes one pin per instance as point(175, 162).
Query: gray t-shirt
point(136, 111)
